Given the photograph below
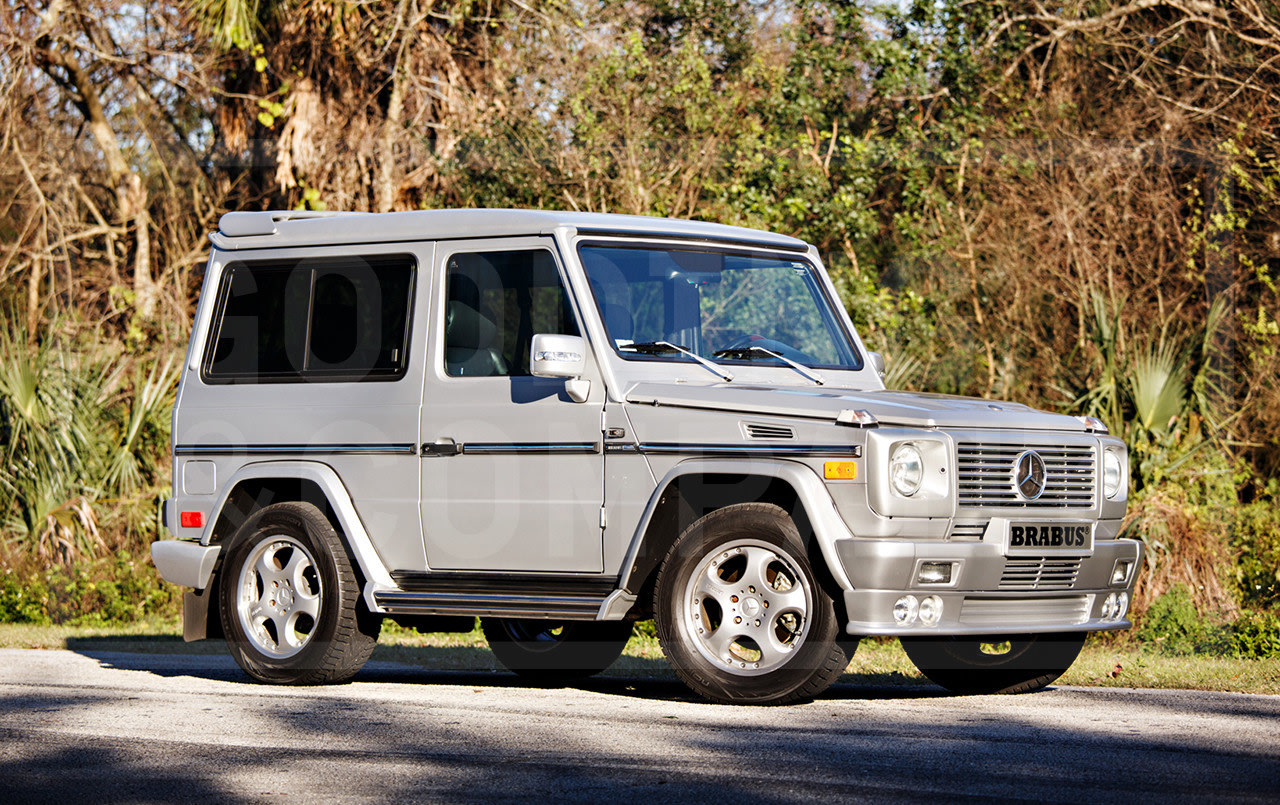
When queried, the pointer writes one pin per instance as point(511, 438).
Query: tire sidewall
point(757, 522)
point(278, 520)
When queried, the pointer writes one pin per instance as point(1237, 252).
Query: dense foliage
point(1071, 204)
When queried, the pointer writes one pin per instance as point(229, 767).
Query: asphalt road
point(104, 727)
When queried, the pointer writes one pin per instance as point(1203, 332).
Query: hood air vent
point(758, 431)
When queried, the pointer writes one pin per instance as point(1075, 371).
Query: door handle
point(442, 447)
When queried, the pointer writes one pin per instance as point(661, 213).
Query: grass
point(1105, 662)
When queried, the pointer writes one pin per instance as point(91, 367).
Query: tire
point(315, 629)
point(994, 664)
point(548, 651)
point(740, 615)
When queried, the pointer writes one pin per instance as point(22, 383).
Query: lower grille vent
point(1020, 612)
point(1040, 573)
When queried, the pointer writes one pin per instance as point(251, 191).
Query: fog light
point(934, 573)
point(1109, 607)
point(931, 610)
point(1120, 573)
point(906, 609)
point(1122, 605)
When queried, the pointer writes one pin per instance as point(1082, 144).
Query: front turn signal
point(840, 470)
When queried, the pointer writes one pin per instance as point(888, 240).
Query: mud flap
point(196, 623)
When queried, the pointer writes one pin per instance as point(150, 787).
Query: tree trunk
point(131, 196)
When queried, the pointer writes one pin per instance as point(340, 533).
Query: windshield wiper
point(664, 347)
point(746, 353)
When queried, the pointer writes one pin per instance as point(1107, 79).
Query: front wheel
point(555, 650)
point(994, 664)
point(289, 600)
point(740, 614)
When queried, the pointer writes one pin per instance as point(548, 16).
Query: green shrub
point(1173, 624)
point(22, 602)
point(1256, 635)
point(1256, 543)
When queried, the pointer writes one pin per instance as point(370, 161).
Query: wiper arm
point(744, 353)
point(661, 347)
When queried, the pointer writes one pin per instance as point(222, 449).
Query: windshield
point(728, 307)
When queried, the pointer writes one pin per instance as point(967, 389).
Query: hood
point(900, 408)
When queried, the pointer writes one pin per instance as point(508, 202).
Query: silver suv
point(562, 423)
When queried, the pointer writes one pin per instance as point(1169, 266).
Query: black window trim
point(308, 376)
point(565, 285)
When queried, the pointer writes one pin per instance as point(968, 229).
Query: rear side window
point(322, 320)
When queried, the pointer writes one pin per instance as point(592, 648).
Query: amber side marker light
point(840, 470)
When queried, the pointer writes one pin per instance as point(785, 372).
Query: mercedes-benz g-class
point(562, 423)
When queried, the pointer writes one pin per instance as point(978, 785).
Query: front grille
point(986, 476)
point(1040, 573)
point(1017, 613)
point(756, 430)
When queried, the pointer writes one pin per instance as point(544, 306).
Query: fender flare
point(812, 494)
point(331, 486)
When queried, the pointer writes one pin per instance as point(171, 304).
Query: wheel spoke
point(790, 601)
point(306, 603)
point(709, 586)
point(718, 642)
point(293, 570)
point(284, 632)
point(758, 560)
point(256, 613)
point(771, 651)
point(266, 567)
point(289, 630)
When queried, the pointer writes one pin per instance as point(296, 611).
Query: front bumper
point(989, 593)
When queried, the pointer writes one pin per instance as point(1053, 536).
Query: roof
point(281, 228)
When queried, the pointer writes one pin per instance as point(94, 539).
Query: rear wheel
point(740, 614)
point(994, 664)
point(555, 650)
point(289, 600)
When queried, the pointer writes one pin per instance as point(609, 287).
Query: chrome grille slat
point(1040, 573)
point(985, 474)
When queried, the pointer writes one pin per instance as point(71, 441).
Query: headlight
point(1112, 473)
point(906, 469)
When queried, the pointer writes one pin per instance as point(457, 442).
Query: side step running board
point(399, 602)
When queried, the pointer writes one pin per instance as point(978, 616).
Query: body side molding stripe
point(289, 449)
point(524, 448)
point(783, 451)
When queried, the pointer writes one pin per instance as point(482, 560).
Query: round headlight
point(906, 469)
point(1112, 473)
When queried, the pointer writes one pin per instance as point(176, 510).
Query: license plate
point(1039, 538)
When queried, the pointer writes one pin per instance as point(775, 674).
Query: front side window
point(728, 307)
point(495, 303)
point(324, 320)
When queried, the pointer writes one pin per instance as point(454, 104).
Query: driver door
point(512, 468)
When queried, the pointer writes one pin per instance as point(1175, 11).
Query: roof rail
point(246, 224)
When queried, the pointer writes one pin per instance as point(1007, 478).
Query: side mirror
point(561, 356)
point(877, 362)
